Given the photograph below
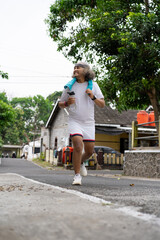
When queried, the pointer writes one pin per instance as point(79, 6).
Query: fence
point(135, 132)
point(110, 159)
point(102, 159)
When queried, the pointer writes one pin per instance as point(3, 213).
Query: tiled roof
point(107, 115)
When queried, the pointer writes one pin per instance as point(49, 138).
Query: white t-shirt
point(84, 110)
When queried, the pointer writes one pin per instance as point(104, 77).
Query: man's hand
point(90, 93)
point(98, 101)
point(71, 100)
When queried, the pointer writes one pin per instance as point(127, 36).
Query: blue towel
point(70, 84)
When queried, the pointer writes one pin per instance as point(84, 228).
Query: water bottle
point(72, 107)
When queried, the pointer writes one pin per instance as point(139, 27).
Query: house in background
point(113, 129)
point(55, 134)
point(8, 150)
point(31, 150)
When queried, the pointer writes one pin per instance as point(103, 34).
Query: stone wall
point(142, 163)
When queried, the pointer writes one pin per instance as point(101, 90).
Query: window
point(37, 150)
point(55, 143)
point(70, 142)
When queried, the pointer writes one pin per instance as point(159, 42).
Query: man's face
point(78, 72)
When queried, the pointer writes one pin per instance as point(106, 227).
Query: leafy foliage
point(3, 97)
point(54, 96)
point(14, 132)
point(36, 111)
point(7, 114)
point(3, 75)
point(7, 117)
point(121, 38)
point(21, 119)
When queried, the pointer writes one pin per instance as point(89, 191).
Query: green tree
point(7, 117)
point(122, 38)
point(27, 106)
point(3, 75)
point(44, 107)
point(54, 96)
point(14, 133)
point(7, 114)
point(36, 111)
point(3, 97)
point(21, 118)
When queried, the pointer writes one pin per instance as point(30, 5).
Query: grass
point(47, 165)
point(43, 164)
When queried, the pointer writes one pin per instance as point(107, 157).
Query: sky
point(27, 53)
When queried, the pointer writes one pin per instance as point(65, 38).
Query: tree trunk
point(147, 6)
point(156, 107)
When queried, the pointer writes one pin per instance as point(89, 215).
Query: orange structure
point(143, 117)
point(70, 154)
point(151, 119)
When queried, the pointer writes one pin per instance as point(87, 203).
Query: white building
point(32, 150)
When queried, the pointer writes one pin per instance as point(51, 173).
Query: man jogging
point(79, 97)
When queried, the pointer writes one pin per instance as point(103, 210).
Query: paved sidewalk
point(34, 211)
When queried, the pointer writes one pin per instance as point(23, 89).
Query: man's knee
point(77, 144)
point(89, 149)
point(89, 152)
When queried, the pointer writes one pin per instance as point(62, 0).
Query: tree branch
point(147, 6)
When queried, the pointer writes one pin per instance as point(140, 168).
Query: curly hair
point(88, 72)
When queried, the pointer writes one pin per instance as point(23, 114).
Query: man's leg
point(88, 151)
point(77, 152)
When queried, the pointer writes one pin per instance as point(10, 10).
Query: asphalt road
point(136, 193)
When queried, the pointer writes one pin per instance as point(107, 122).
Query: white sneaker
point(77, 180)
point(83, 170)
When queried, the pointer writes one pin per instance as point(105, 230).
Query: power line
point(37, 82)
point(43, 76)
point(57, 83)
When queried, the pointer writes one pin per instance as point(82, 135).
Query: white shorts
point(86, 131)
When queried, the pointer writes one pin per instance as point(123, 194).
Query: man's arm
point(98, 101)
